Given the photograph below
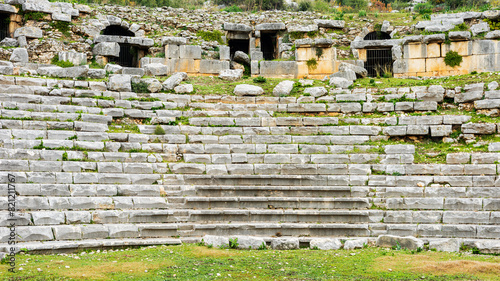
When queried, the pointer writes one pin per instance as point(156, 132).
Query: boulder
point(28, 32)
point(325, 244)
point(459, 35)
point(113, 68)
point(20, 55)
point(171, 40)
point(479, 28)
point(447, 245)
point(285, 243)
point(50, 71)
point(355, 244)
point(154, 86)
point(241, 57)
point(156, 69)
point(316, 91)
point(330, 23)
point(340, 82)
point(284, 88)
point(248, 90)
point(492, 86)
point(347, 74)
point(492, 14)
point(9, 42)
point(408, 242)
point(231, 74)
point(250, 242)
point(174, 80)
point(216, 241)
point(495, 34)
point(361, 72)
point(108, 49)
point(120, 83)
point(96, 73)
point(184, 89)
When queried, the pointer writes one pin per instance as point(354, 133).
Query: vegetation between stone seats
point(190, 262)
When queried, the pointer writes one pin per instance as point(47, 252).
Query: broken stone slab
point(355, 244)
point(184, 89)
point(9, 42)
point(61, 17)
point(325, 244)
point(171, 40)
point(492, 14)
point(323, 42)
point(479, 128)
point(156, 69)
point(250, 242)
point(488, 246)
point(120, 83)
point(284, 88)
point(108, 49)
point(459, 35)
point(302, 28)
point(306, 42)
point(439, 28)
point(174, 80)
point(271, 26)
point(20, 55)
point(340, 82)
point(28, 32)
point(407, 242)
point(291, 243)
point(330, 23)
point(237, 27)
point(248, 90)
point(479, 28)
point(316, 91)
point(6, 8)
point(231, 74)
point(495, 34)
point(361, 72)
point(346, 74)
point(448, 245)
point(434, 38)
point(215, 241)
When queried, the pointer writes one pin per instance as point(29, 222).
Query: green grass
point(190, 262)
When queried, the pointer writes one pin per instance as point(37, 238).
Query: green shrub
point(452, 59)
point(319, 52)
point(233, 9)
point(36, 16)
point(233, 243)
point(62, 26)
point(461, 27)
point(305, 5)
point(159, 130)
point(356, 4)
point(362, 14)
point(494, 24)
point(423, 8)
point(160, 55)
point(141, 87)
point(259, 79)
point(312, 64)
point(56, 61)
point(215, 35)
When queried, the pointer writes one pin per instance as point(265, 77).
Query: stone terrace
point(229, 165)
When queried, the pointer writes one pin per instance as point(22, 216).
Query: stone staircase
point(92, 170)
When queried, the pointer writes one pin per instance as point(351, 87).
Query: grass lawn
point(191, 262)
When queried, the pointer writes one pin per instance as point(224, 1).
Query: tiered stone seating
point(233, 166)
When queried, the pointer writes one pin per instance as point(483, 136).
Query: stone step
point(327, 180)
point(52, 247)
point(268, 203)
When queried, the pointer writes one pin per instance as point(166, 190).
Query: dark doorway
point(377, 35)
point(128, 56)
point(128, 53)
point(239, 45)
point(379, 62)
point(118, 30)
point(4, 26)
point(269, 45)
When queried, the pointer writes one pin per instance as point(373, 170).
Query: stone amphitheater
point(95, 164)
